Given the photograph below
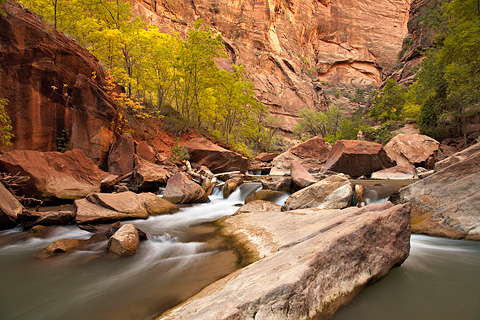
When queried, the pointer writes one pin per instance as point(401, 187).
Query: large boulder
point(300, 176)
point(312, 262)
point(312, 154)
point(10, 208)
point(55, 88)
point(358, 158)
point(446, 203)
point(145, 151)
point(416, 149)
point(334, 192)
point(111, 207)
point(180, 189)
point(216, 158)
point(149, 176)
point(54, 175)
point(120, 158)
point(124, 241)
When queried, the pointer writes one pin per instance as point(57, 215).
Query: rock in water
point(230, 186)
point(180, 189)
point(54, 175)
point(357, 158)
point(447, 203)
point(315, 261)
point(149, 176)
point(124, 242)
point(334, 192)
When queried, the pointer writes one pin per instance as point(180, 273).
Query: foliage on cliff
point(163, 71)
point(5, 124)
point(448, 86)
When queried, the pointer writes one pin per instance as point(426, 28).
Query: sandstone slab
point(446, 203)
point(54, 175)
point(266, 157)
point(334, 192)
point(312, 262)
point(357, 158)
point(403, 172)
point(216, 158)
point(266, 195)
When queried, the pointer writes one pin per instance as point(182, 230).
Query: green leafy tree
point(5, 124)
point(388, 103)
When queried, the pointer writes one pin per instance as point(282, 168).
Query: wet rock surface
point(311, 262)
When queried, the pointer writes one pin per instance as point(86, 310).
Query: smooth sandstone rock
point(334, 192)
point(54, 175)
point(216, 158)
point(403, 172)
point(266, 195)
point(311, 154)
point(357, 158)
point(300, 176)
point(120, 158)
point(111, 207)
point(259, 206)
point(312, 262)
point(419, 150)
point(148, 176)
point(266, 157)
point(279, 184)
point(124, 242)
point(446, 203)
point(10, 208)
point(180, 189)
point(145, 151)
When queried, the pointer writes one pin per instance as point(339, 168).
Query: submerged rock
point(446, 203)
point(334, 192)
point(312, 262)
point(124, 242)
point(68, 246)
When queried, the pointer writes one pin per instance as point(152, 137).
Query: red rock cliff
point(53, 86)
point(290, 46)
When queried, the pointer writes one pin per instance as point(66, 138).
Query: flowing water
point(440, 279)
point(183, 257)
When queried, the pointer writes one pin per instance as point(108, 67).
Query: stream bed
point(440, 279)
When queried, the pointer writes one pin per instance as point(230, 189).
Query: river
point(440, 279)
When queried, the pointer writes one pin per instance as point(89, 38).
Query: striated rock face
point(314, 262)
point(289, 47)
point(54, 88)
point(446, 203)
point(54, 175)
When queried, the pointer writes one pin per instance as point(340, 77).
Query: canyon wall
point(292, 48)
point(55, 89)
